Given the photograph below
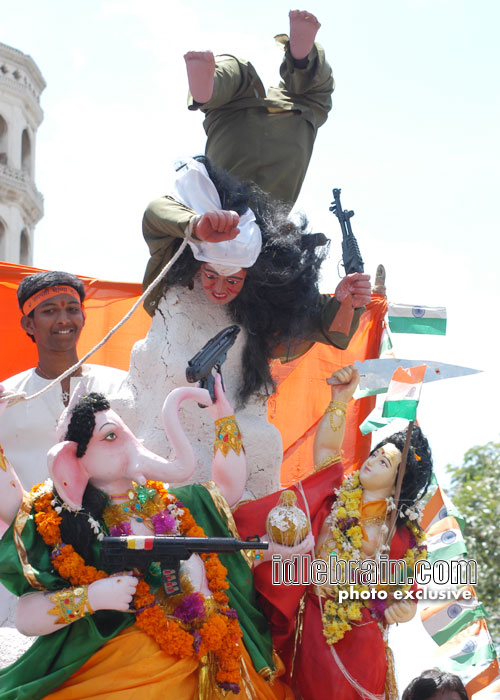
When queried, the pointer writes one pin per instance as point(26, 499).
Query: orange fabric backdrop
point(295, 408)
point(303, 394)
point(105, 304)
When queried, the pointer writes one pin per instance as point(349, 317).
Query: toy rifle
point(138, 552)
point(351, 257)
point(351, 261)
point(210, 357)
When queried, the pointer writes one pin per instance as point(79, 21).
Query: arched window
point(3, 141)
point(3, 240)
point(25, 249)
point(26, 151)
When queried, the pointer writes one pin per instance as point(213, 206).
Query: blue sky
point(412, 141)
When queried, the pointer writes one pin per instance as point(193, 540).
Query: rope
point(399, 483)
point(11, 398)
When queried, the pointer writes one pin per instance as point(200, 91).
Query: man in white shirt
point(53, 316)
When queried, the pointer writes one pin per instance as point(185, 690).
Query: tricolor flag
point(471, 655)
point(445, 540)
point(492, 690)
point(438, 507)
point(385, 351)
point(428, 320)
point(447, 619)
point(374, 421)
point(139, 541)
point(403, 393)
point(458, 625)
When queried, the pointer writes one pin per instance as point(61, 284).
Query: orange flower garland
point(219, 632)
point(70, 565)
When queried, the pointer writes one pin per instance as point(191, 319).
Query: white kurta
point(28, 429)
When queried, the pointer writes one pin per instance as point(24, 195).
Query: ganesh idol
point(124, 634)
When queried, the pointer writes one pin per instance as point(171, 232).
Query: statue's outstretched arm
point(331, 428)
point(229, 465)
point(43, 613)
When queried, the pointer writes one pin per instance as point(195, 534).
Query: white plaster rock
point(184, 321)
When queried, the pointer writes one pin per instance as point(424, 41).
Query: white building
point(21, 205)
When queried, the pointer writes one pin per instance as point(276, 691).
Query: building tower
point(21, 205)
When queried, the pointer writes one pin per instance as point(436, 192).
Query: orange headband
point(47, 293)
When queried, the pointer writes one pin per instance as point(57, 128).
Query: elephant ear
point(67, 472)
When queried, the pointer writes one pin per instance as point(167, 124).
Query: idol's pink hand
point(113, 593)
point(221, 408)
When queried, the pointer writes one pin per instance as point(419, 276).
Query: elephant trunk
point(148, 465)
point(185, 461)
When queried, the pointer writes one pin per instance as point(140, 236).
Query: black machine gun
point(211, 356)
point(138, 552)
point(352, 260)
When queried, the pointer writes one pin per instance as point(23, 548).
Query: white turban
point(194, 188)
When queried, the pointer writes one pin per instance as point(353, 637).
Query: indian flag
point(492, 690)
point(447, 619)
point(428, 320)
point(404, 392)
point(385, 351)
point(445, 540)
point(470, 652)
point(458, 625)
point(438, 507)
point(374, 421)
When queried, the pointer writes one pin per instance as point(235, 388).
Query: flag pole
point(399, 482)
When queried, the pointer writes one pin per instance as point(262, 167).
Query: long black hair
point(418, 473)
point(279, 302)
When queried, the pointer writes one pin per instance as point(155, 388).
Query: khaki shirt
point(165, 221)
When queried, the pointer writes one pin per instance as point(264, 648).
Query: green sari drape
point(53, 658)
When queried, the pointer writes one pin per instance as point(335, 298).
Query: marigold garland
point(346, 540)
point(218, 632)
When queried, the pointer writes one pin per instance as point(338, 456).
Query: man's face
point(56, 324)
point(380, 469)
point(219, 289)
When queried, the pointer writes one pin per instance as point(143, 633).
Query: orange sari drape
point(132, 666)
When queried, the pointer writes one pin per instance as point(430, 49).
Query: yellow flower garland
point(346, 540)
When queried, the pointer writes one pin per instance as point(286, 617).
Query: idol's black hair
point(75, 527)
point(418, 473)
point(82, 423)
